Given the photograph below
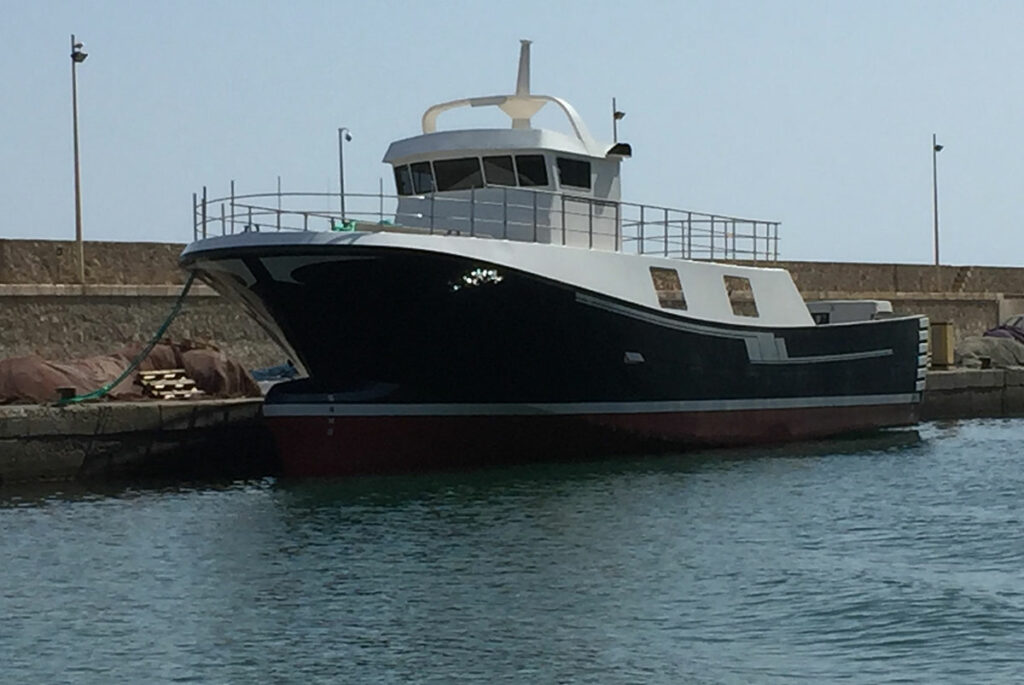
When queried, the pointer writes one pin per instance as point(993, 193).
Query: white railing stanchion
point(712, 249)
point(665, 253)
point(534, 195)
point(641, 251)
point(590, 224)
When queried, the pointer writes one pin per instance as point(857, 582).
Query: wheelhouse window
point(422, 177)
point(574, 172)
point(669, 289)
point(498, 171)
point(458, 174)
point(403, 180)
point(741, 296)
point(531, 170)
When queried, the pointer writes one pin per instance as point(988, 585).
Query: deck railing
point(514, 213)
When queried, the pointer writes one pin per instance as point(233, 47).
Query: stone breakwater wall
point(66, 322)
point(48, 262)
point(131, 288)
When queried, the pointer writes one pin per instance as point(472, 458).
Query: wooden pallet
point(168, 384)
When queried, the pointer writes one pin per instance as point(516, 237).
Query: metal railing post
point(380, 204)
point(641, 251)
point(563, 219)
point(734, 238)
point(431, 214)
point(472, 211)
point(195, 218)
point(232, 206)
point(534, 193)
point(204, 211)
point(504, 212)
point(618, 227)
point(222, 229)
point(712, 246)
point(689, 235)
point(775, 244)
point(279, 212)
point(305, 221)
point(590, 224)
point(666, 232)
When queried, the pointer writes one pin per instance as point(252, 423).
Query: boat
point(505, 304)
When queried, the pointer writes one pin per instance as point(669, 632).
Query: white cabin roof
point(469, 141)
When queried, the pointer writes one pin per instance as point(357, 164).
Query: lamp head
point(76, 53)
point(348, 137)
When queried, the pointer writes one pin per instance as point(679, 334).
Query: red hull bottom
point(349, 445)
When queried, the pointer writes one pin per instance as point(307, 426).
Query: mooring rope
point(100, 392)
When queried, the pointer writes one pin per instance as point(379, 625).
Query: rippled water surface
point(895, 561)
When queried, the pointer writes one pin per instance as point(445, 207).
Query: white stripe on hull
point(581, 408)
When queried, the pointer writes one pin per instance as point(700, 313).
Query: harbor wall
point(131, 288)
point(228, 438)
point(63, 322)
point(120, 440)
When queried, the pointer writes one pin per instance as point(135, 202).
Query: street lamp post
point(936, 149)
point(343, 136)
point(77, 56)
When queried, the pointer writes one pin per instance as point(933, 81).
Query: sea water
point(897, 560)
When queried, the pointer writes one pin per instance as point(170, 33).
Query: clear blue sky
point(815, 113)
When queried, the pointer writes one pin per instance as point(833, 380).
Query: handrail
point(525, 214)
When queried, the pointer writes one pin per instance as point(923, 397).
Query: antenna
point(617, 114)
point(523, 78)
point(523, 85)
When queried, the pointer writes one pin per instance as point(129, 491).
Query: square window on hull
point(669, 289)
point(741, 295)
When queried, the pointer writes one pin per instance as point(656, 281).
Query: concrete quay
point(960, 393)
point(110, 441)
point(210, 438)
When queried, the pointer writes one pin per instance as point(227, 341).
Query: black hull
point(386, 327)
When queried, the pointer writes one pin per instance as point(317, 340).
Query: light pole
point(936, 149)
point(77, 56)
point(343, 136)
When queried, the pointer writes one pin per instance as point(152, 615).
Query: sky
point(815, 113)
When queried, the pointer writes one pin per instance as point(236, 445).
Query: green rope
point(100, 392)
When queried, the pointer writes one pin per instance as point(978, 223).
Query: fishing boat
point(505, 304)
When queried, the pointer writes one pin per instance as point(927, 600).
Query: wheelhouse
point(511, 183)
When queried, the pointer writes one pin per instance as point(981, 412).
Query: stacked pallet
point(168, 384)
